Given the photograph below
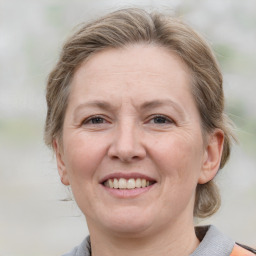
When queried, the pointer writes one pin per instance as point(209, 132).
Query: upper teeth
point(127, 184)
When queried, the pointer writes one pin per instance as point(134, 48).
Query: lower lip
point(128, 193)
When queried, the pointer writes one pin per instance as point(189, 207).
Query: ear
point(60, 163)
point(212, 156)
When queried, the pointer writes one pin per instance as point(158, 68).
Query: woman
point(135, 117)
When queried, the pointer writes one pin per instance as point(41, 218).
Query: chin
point(135, 229)
point(128, 221)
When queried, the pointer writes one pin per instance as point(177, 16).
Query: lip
point(119, 175)
point(127, 193)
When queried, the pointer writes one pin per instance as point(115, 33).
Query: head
point(131, 27)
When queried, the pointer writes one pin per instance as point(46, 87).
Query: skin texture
point(124, 91)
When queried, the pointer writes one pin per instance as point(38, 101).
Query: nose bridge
point(127, 141)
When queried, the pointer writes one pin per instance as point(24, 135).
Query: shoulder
point(212, 242)
point(215, 243)
point(84, 249)
point(242, 250)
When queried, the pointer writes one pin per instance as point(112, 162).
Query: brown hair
point(131, 26)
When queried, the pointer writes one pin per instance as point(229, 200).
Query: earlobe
point(212, 156)
point(60, 163)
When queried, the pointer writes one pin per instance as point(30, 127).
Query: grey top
point(213, 243)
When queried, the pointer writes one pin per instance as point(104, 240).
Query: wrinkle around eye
point(161, 120)
point(96, 122)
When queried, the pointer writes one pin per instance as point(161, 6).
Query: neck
point(179, 240)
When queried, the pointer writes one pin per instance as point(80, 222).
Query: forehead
point(134, 67)
point(136, 57)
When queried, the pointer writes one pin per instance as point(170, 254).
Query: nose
point(127, 144)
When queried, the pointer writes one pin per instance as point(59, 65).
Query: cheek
point(180, 157)
point(83, 155)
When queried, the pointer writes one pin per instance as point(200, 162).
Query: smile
point(131, 183)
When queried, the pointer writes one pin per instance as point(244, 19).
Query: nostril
point(127, 155)
point(127, 145)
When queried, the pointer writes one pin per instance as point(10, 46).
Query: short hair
point(132, 26)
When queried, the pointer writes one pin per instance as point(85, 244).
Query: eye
point(161, 119)
point(94, 120)
point(97, 120)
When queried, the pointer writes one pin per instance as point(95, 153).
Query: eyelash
point(163, 117)
point(89, 121)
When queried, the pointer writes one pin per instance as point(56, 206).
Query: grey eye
point(160, 120)
point(97, 120)
point(94, 120)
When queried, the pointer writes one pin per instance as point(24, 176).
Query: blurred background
point(35, 218)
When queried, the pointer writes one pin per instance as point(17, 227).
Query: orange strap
point(240, 251)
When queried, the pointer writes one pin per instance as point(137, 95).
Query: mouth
point(127, 181)
point(131, 183)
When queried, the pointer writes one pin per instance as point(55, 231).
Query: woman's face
point(133, 150)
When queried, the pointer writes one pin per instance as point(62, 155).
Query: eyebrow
point(101, 104)
point(164, 102)
point(104, 105)
point(95, 103)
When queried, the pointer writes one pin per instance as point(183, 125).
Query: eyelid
point(88, 119)
point(106, 120)
point(170, 120)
